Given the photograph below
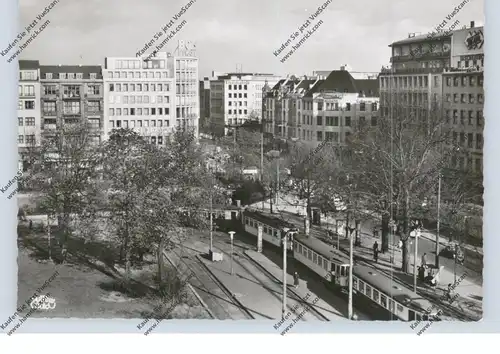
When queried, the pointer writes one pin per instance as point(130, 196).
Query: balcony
point(393, 71)
point(72, 96)
point(49, 127)
point(69, 114)
point(49, 113)
point(416, 56)
point(27, 95)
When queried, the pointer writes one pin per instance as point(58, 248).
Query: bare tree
point(395, 163)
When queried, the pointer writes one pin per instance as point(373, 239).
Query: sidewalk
point(303, 290)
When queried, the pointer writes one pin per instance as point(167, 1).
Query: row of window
point(140, 111)
point(462, 98)
point(71, 90)
point(468, 140)
point(138, 75)
point(237, 87)
point(50, 107)
point(139, 123)
point(28, 75)
point(408, 81)
point(237, 95)
point(136, 64)
point(470, 115)
point(52, 122)
point(265, 229)
point(464, 81)
point(237, 111)
point(314, 257)
point(26, 90)
point(138, 99)
point(376, 296)
point(237, 103)
point(26, 104)
point(129, 87)
point(26, 139)
point(467, 163)
point(28, 121)
point(69, 76)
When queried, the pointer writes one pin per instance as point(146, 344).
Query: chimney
point(472, 24)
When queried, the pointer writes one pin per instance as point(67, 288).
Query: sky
point(228, 33)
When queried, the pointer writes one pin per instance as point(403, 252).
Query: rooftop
point(86, 70)
point(29, 64)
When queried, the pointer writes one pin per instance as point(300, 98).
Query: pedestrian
point(449, 293)
point(400, 244)
point(375, 251)
point(31, 225)
point(424, 262)
point(296, 280)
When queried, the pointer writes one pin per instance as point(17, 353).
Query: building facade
point(28, 110)
point(236, 98)
point(72, 94)
point(314, 109)
point(184, 66)
point(204, 123)
point(139, 94)
point(440, 75)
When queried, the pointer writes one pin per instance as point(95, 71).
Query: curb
point(192, 289)
point(242, 307)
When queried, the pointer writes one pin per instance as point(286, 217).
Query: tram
point(273, 228)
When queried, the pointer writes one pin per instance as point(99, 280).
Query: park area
point(90, 285)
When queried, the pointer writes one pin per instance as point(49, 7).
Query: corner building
point(321, 108)
point(72, 94)
point(139, 95)
point(28, 109)
point(440, 75)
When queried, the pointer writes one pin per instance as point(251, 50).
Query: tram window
point(354, 283)
point(361, 286)
point(383, 300)
point(368, 291)
point(325, 264)
point(391, 305)
point(299, 247)
point(343, 271)
point(310, 255)
point(419, 318)
point(265, 229)
point(375, 295)
point(315, 258)
point(296, 247)
point(320, 261)
point(411, 315)
point(275, 233)
point(246, 221)
point(400, 308)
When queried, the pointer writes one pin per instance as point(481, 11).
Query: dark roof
point(391, 288)
point(430, 36)
point(86, 70)
point(29, 64)
point(267, 219)
point(342, 81)
point(325, 250)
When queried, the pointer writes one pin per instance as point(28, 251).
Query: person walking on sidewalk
point(296, 280)
point(375, 251)
point(424, 261)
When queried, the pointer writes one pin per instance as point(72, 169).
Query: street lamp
point(276, 155)
point(438, 220)
point(417, 234)
point(48, 226)
point(231, 235)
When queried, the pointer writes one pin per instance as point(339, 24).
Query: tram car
point(273, 228)
point(322, 259)
point(372, 290)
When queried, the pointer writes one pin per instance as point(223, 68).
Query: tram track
point(297, 298)
point(207, 285)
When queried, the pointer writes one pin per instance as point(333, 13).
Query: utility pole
point(262, 156)
point(438, 219)
point(277, 179)
point(283, 312)
point(351, 264)
point(231, 235)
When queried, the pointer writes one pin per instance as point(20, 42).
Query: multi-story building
point(28, 110)
point(204, 124)
point(440, 74)
point(139, 94)
point(236, 98)
point(314, 110)
point(184, 66)
point(72, 94)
